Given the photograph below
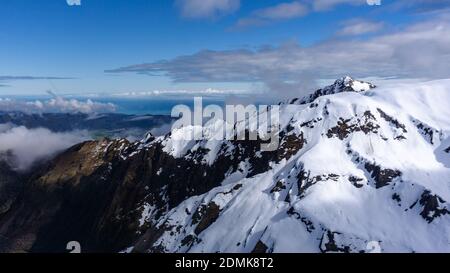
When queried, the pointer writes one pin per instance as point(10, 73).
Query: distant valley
point(99, 125)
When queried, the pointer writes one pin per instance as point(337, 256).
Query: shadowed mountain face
point(346, 173)
point(95, 192)
point(9, 186)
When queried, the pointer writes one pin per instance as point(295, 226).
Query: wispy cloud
point(322, 5)
point(420, 6)
point(296, 9)
point(6, 79)
point(206, 8)
point(282, 11)
point(73, 2)
point(359, 27)
point(420, 50)
point(406, 5)
point(28, 78)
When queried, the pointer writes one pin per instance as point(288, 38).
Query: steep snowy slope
point(373, 167)
point(355, 165)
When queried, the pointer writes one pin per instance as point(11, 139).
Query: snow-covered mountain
point(355, 165)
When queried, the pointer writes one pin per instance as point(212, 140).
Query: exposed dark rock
point(309, 225)
point(237, 187)
point(382, 177)
point(433, 206)
point(188, 240)
point(426, 131)
point(310, 124)
point(305, 180)
point(392, 121)
point(345, 127)
point(205, 216)
point(328, 243)
point(345, 84)
point(341, 130)
point(146, 242)
point(260, 248)
point(401, 137)
point(396, 197)
point(290, 145)
point(279, 186)
point(356, 181)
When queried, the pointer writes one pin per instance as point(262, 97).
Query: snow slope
point(372, 166)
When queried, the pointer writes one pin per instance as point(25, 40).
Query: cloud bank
point(56, 105)
point(22, 148)
point(180, 92)
point(419, 51)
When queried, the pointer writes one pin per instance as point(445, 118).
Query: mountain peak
point(355, 85)
point(344, 84)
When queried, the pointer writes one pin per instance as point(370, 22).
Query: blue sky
point(114, 46)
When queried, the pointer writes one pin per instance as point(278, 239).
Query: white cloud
point(73, 2)
point(180, 92)
point(299, 8)
point(282, 11)
point(22, 147)
point(359, 27)
point(56, 105)
point(420, 50)
point(322, 5)
point(206, 8)
point(421, 6)
point(162, 130)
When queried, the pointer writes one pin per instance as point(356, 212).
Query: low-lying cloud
point(208, 92)
point(56, 104)
point(21, 147)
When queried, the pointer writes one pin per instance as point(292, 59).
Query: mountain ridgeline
point(355, 165)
